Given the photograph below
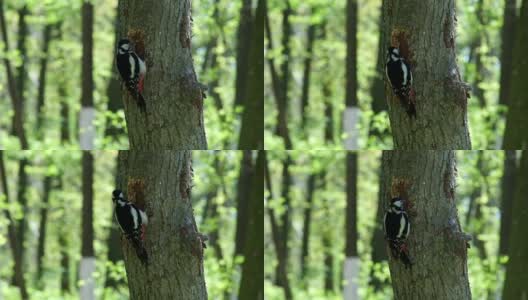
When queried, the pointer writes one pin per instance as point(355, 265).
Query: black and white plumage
point(132, 222)
point(132, 70)
point(400, 77)
point(397, 228)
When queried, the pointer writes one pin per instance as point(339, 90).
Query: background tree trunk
point(174, 97)
point(87, 115)
point(252, 282)
point(87, 268)
point(437, 245)
point(352, 112)
point(515, 136)
point(161, 183)
point(425, 34)
point(351, 265)
point(506, 58)
point(252, 128)
point(515, 286)
point(507, 194)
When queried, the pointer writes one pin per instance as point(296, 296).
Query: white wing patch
point(142, 67)
point(144, 218)
point(402, 226)
point(132, 65)
point(405, 71)
point(134, 212)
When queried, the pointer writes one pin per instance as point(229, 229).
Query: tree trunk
point(18, 117)
point(252, 282)
point(515, 136)
point(280, 241)
point(22, 73)
point(507, 193)
point(174, 97)
point(425, 34)
point(87, 268)
point(306, 224)
point(244, 40)
point(506, 58)
point(243, 192)
point(379, 254)
point(18, 273)
point(377, 88)
point(46, 36)
point(515, 286)
point(436, 243)
point(42, 227)
point(252, 128)
point(161, 182)
point(87, 115)
point(307, 70)
point(22, 200)
point(352, 113)
point(351, 265)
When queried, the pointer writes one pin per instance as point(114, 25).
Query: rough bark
point(379, 253)
point(506, 57)
point(18, 273)
point(252, 282)
point(160, 182)
point(515, 286)
point(507, 194)
point(174, 97)
point(425, 34)
point(252, 128)
point(243, 192)
point(377, 88)
point(437, 245)
point(16, 102)
point(515, 136)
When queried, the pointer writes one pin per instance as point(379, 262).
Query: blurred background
point(315, 65)
point(306, 199)
point(45, 204)
point(45, 51)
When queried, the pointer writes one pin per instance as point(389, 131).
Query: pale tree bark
point(515, 286)
point(515, 136)
point(174, 97)
point(160, 182)
point(437, 245)
point(425, 34)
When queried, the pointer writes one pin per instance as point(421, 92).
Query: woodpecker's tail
point(406, 97)
point(141, 252)
point(137, 96)
point(400, 251)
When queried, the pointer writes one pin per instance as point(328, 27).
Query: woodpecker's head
point(124, 46)
point(396, 205)
point(393, 54)
point(117, 195)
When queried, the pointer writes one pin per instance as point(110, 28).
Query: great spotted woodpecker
point(132, 221)
point(397, 228)
point(400, 78)
point(132, 70)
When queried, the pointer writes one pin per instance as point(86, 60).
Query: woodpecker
point(132, 221)
point(132, 70)
point(400, 78)
point(397, 228)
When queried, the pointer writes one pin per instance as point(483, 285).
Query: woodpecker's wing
point(143, 219)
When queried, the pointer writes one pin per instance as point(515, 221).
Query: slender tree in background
point(352, 112)
point(515, 286)
point(425, 34)
point(506, 58)
point(160, 182)
point(18, 273)
point(252, 130)
point(351, 264)
point(515, 136)
point(280, 231)
point(252, 282)
point(174, 97)
point(87, 115)
point(22, 73)
point(437, 245)
point(507, 193)
point(243, 192)
point(43, 225)
point(244, 40)
point(47, 37)
point(307, 221)
point(87, 268)
point(16, 102)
